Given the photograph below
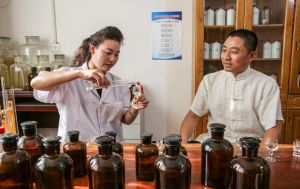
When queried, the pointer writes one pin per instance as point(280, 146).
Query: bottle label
point(18, 69)
point(277, 49)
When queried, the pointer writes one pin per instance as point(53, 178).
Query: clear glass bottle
point(4, 72)
point(266, 15)
point(117, 147)
point(173, 169)
point(31, 142)
point(26, 70)
point(59, 61)
point(32, 75)
point(43, 63)
point(106, 169)
point(182, 148)
point(54, 169)
point(32, 48)
point(15, 167)
point(17, 74)
point(249, 170)
point(77, 151)
point(216, 154)
point(145, 156)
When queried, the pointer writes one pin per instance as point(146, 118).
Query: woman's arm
point(48, 80)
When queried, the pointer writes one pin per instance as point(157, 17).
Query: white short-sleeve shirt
point(86, 111)
point(248, 104)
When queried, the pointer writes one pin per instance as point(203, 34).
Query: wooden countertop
point(285, 172)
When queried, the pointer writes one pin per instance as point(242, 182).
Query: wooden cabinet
point(281, 27)
point(292, 126)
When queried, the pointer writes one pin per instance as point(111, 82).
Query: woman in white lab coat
point(96, 112)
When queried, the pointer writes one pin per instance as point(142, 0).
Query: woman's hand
point(142, 100)
point(96, 76)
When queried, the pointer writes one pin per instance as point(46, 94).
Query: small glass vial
point(54, 169)
point(216, 154)
point(172, 170)
point(249, 170)
point(31, 142)
point(117, 147)
point(15, 167)
point(31, 76)
point(145, 156)
point(77, 151)
point(182, 148)
point(59, 61)
point(106, 169)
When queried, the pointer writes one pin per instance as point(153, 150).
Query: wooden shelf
point(35, 106)
point(267, 59)
point(269, 26)
point(21, 93)
point(219, 27)
point(212, 60)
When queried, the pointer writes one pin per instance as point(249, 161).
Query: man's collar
point(240, 76)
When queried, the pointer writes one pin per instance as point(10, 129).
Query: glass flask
point(117, 147)
point(77, 151)
point(15, 171)
point(17, 74)
point(54, 169)
point(43, 63)
point(182, 148)
point(32, 75)
point(106, 169)
point(7, 51)
point(31, 142)
point(32, 48)
point(249, 170)
point(173, 169)
point(59, 61)
point(145, 156)
point(216, 154)
point(4, 72)
point(26, 70)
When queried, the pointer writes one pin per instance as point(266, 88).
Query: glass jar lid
point(111, 133)
point(104, 140)
point(51, 141)
point(250, 142)
point(9, 137)
point(29, 124)
point(175, 135)
point(5, 40)
point(217, 127)
point(73, 133)
point(59, 56)
point(146, 135)
point(172, 140)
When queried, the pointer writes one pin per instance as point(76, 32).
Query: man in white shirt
point(245, 100)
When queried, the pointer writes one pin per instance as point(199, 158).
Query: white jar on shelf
point(206, 49)
point(276, 49)
point(255, 15)
point(210, 16)
point(216, 50)
point(205, 17)
point(230, 18)
point(220, 16)
point(267, 53)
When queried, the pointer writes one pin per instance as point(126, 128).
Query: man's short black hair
point(249, 37)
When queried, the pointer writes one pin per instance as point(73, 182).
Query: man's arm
point(274, 132)
point(188, 126)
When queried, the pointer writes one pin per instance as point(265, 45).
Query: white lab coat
point(86, 111)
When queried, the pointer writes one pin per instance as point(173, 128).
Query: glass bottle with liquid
point(54, 169)
point(106, 169)
point(117, 147)
point(266, 15)
point(32, 75)
point(4, 72)
point(17, 74)
point(77, 151)
point(26, 69)
point(216, 155)
point(249, 170)
point(31, 142)
point(43, 63)
point(182, 148)
point(15, 166)
point(172, 170)
point(59, 61)
point(145, 156)
point(33, 48)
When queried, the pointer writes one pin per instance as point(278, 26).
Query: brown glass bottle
point(31, 76)
point(172, 169)
point(15, 167)
point(77, 151)
point(249, 170)
point(31, 142)
point(145, 156)
point(182, 148)
point(54, 169)
point(259, 49)
point(216, 154)
point(117, 147)
point(106, 169)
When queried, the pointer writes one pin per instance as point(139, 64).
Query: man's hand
point(274, 132)
point(188, 126)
